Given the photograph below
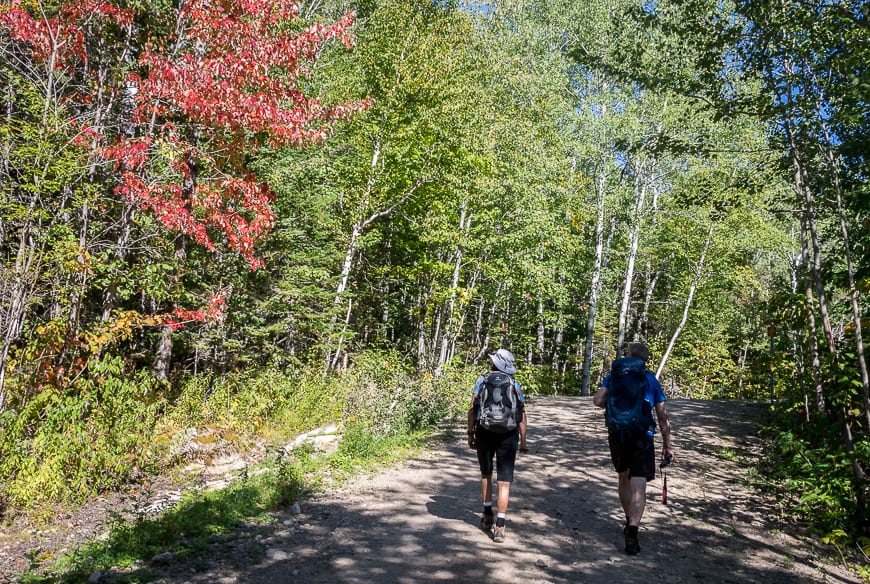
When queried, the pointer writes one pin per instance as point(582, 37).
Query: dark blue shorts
point(502, 447)
point(633, 451)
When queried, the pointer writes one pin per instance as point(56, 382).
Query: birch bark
point(640, 187)
point(595, 284)
point(699, 273)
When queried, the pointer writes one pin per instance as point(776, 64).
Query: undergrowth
point(59, 446)
point(206, 519)
point(809, 470)
point(127, 429)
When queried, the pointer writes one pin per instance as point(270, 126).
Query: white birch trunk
point(802, 186)
point(595, 285)
point(815, 360)
point(699, 273)
point(640, 186)
point(450, 330)
point(464, 314)
point(540, 344)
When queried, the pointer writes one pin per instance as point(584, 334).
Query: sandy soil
point(418, 521)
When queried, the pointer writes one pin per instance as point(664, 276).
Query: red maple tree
point(196, 104)
point(224, 85)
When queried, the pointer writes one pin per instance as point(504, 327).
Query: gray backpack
point(497, 403)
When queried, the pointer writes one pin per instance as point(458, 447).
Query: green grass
point(383, 414)
point(205, 519)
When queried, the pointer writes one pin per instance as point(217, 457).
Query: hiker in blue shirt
point(499, 442)
point(633, 453)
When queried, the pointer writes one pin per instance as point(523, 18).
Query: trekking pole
point(664, 474)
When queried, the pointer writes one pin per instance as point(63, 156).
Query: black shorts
point(501, 446)
point(633, 451)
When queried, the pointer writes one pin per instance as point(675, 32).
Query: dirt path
point(417, 522)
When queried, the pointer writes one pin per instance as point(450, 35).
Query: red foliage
point(60, 39)
point(215, 310)
point(226, 85)
point(236, 82)
point(240, 72)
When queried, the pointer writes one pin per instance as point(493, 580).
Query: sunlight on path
point(418, 522)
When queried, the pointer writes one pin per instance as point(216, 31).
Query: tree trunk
point(464, 313)
point(485, 346)
point(595, 285)
point(421, 331)
point(122, 248)
point(346, 267)
point(357, 231)
point(803, 191)
point(699, 273)
point(815, 361)
point(540, 340)
point(642, 319)
point(340, 343)
point(640, 186)
point(854, 296)
point(450, 329)
point(20, 290)
point(163, 351)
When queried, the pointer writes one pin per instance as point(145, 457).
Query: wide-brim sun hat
point(504, 361)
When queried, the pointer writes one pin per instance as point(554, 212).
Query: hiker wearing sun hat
point(503, 360)
point(497, 429)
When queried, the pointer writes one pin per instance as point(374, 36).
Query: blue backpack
point(627, 410)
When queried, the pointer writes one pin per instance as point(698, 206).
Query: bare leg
point(504, 495)
point(632, 496)
point(638, 500)
point(625, 492)
point(486, 488)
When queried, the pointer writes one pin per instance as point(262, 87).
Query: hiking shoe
point(632, 546)
point(487, 520)
point(498, 534)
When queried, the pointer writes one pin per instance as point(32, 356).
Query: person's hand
point(472, 440)
point(523, 447)
point(668, 456)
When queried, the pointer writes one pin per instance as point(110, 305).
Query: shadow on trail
point(418, 522)
point(564, 520)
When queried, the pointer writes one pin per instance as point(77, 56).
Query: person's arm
point(665, 429)
point(472, 442)
point(600, 397)
point(523, 416)
point(523, 427)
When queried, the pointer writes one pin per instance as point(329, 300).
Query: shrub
point(93, 436)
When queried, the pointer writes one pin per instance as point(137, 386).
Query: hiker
point(633, 450)
point(497, 428)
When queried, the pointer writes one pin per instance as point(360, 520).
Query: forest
point(264, 216)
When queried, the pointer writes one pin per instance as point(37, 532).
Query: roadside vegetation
point(382, 415)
